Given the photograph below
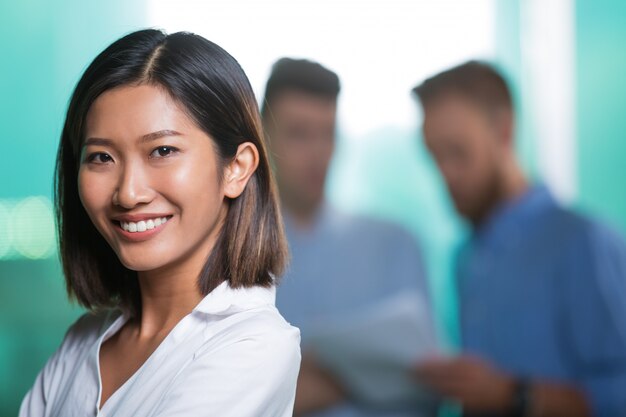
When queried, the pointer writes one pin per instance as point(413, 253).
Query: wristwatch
point(522, 398)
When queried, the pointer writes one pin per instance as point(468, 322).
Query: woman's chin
point(141, 264)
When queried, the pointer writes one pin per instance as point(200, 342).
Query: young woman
point(170, 235)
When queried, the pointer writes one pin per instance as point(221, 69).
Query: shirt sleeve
point(254, 376)
point(53, 378)
point(596, 319)
point(34, 403)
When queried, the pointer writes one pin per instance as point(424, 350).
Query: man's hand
point(478, 386)
point(316, 389)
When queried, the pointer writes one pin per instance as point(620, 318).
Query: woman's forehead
point(136, 112)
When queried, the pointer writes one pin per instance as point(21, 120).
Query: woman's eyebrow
point(97, 142)
point(148, 137)
point(157, 135)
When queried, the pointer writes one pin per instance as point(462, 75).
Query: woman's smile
point(140, 227)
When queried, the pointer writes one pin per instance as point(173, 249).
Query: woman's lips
point(140, 227)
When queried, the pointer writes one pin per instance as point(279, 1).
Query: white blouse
point(232, 356)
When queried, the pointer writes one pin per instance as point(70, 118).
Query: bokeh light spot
point(33, 227)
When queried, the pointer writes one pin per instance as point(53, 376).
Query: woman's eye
point(99, 158)
point(163, 152)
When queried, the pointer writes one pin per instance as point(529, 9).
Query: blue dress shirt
point(542, 294)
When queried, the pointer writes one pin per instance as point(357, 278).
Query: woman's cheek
point(85, 188)
point(193, 177)
point(94, 191)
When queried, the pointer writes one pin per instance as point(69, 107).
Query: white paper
point(372, 352)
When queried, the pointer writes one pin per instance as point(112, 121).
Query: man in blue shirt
point(542, 289)
point(341, 264)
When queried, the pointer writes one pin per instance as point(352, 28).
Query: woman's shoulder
point(260, 325)
point(258, 342)
point(267, 323)
point(243, 311)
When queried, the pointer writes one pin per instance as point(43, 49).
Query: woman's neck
point(166, 297)
point(172, 291)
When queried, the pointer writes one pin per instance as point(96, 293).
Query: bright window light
point(380, 49)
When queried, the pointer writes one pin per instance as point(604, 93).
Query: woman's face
point(149, 179)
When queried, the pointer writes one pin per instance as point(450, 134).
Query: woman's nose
point(133, 188)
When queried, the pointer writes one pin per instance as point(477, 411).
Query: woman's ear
point(240, 169)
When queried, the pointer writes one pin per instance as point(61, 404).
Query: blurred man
point(340, 264)
point(542, 289)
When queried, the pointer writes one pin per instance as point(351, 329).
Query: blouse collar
point(224, 300)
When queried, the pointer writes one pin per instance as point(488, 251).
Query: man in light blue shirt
point(341, 264)
point(344, 263)
point(542, 289)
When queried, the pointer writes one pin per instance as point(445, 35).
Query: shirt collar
point(224, 300)
point(512, 215)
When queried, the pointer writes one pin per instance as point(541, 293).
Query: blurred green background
point(45, 46)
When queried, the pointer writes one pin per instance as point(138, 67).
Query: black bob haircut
point(212, 88)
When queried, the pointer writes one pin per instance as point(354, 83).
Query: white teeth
point(143, 225)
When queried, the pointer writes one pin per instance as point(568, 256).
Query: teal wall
point(45, 46)
point(601, 103)
point(508, 58)
point(600, 94)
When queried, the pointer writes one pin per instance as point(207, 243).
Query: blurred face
point(301, 130)
point(468, 150)
point(149, 179)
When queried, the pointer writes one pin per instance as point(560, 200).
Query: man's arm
point(316, 389)
point(481, 388)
